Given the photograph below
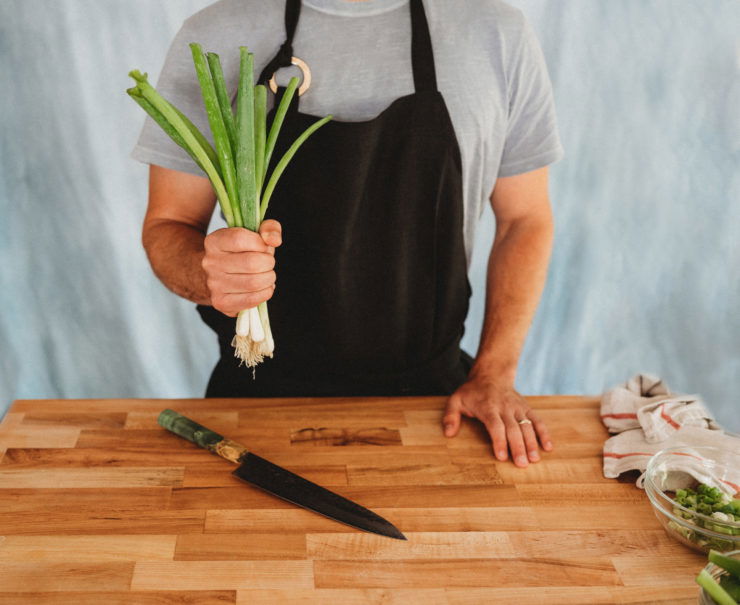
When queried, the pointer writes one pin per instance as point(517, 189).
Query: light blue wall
point(646, 266)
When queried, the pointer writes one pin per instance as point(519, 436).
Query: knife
point(277, 480)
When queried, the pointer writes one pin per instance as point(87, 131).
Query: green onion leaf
point(247, 183)
point(200, 138)
point(157, 116)
point(277, 122)
point(217, 73)
point(218, 128)
point(167, 110)
point(285, 159)
point(260, 103)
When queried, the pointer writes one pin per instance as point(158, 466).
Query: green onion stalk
point(236, 164)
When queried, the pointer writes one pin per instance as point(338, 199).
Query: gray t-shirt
point(490, 70)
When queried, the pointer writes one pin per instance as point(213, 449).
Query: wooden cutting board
point(98, 504)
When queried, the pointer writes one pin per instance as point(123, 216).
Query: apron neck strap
point(284, 54)
point(422, 55)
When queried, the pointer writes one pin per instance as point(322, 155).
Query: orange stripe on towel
point(615, 455)
point(667, 418)
point(619, 416)
point(731, 484)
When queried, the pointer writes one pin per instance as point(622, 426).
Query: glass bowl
point(715, 572)
point(696, 530)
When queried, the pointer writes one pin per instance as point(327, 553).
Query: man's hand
point(517, 267)
point(500, 408)
point(239, 266)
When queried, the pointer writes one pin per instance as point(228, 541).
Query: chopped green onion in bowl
point(720, 579)
point(700, 516)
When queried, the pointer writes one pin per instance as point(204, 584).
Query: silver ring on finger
point(525, 421)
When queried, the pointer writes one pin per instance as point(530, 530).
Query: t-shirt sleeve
point(178, 84)
point(532, 138)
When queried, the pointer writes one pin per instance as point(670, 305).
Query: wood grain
point(87, 548)
point(344, 596)
point(116, 520)
point(421, 545)
point(218, 575)
point(570, 571)
point(129, 597)
point(101, 505)
point(40, 576)
point(51, 500)
point(240, 547)
point(70, 477)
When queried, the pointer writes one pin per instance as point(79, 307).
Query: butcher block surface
point(99, 504)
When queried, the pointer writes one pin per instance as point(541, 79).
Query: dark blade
point(289, 486)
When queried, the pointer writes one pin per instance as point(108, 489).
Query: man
point(380, 207)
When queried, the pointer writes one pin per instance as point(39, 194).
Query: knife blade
point(278, 481)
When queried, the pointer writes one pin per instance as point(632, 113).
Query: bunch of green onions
point(237, 168)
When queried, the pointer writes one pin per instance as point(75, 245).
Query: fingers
point(451, 419)
point(516, 441)
point(246, 283)
point(497, 431)
point(501, 410)
point(229, 291)
point(239, 266)
point(234, 239)
point(542, 433)
point(530, 441)
point(272, 233)
point(231, 304)
point(242, 262)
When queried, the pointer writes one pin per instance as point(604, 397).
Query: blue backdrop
point(646, 267)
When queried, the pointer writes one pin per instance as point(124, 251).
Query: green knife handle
point(200, 435)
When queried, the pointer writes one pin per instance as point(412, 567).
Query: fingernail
point(534, 456)
point(521, 461)
point(501, 455)
point(448, 429)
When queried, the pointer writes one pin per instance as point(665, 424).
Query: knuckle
point(509, 422)
point(250, 241)
point(255, 262)
point(491, 417)
point(253, 283)
point(208, 263)
point(213, 287)
point(218, 302)
point(216, 238)
point(488, 418)
point(230, 238)
point(243, 240)
point(252, 299)
point(209, 245)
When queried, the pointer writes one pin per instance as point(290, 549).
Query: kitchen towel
point(646, 402)
point(646, 417)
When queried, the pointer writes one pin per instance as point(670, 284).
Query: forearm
point(517, 269)
point(175, 251)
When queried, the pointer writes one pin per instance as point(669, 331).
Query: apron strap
point(422, 55)
point(282, 58)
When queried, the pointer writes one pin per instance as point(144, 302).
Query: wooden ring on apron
point(301, 64)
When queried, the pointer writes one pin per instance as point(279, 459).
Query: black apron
point(372, 288)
